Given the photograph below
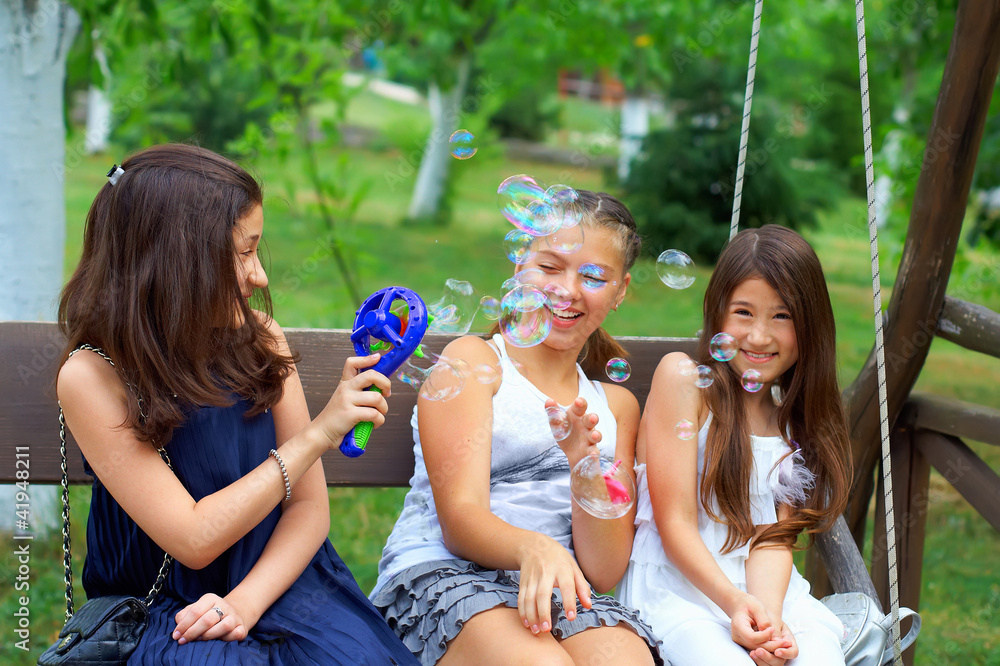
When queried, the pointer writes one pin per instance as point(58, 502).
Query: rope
point(745, 132)
point(883, 406)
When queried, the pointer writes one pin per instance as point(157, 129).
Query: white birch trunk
point(635, 127)
point(446, 110)
point(98, 106)
point(35, 37)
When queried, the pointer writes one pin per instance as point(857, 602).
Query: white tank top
point(529, 473)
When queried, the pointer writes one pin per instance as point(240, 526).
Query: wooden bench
point(30, 354)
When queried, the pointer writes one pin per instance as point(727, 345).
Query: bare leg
point(607, 646)
point(498, 637)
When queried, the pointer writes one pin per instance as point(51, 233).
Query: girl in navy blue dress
point(163, 288)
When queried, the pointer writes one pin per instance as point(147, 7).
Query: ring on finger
point(219, 611)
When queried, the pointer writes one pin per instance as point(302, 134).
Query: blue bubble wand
point(395, 331)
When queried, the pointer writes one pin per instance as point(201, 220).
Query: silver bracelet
point(284, 473)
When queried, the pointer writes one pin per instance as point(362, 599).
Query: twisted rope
point(883, 406)
point(741, 161)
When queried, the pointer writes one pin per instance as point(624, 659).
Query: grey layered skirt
point(427, 605)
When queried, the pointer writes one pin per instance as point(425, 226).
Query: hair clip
point(114, 174)
point(795, 444)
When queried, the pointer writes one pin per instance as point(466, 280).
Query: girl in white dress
point(729, 475)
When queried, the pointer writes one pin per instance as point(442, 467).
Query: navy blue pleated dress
point(323, 618)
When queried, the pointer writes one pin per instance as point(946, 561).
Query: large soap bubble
point(525, 316)
point(602, 488)
point(455, 310)
point(675, 268)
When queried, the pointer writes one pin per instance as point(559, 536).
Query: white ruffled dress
point(667, 600)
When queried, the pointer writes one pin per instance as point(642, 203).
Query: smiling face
point(591, 282)
point(762, 325)
point(249, 271)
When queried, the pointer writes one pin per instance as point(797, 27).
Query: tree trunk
point(36, 38)
point(635, 127)
point(98, 106)
point(446, 111)
point(935, 223)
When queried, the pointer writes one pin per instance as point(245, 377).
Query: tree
point(35, 37)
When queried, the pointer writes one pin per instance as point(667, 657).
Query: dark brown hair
point(600, 209)
point(811, 409)
point(157, 289)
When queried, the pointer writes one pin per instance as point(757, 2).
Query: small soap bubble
point(675, 269)
point(486, 373)
point(685, 430)
point(751, 381)
point(602, 488)
point(723, 347)
point(519, 246)
point(525, 318)
point(558, 296)
point(558, 422)
point(686, 367)
point(593, 277)
point(462, 144)
point(444, 381)
point(490, 307)
point(566, 240)
point(704, 378)
point(618, 370)
point(455, 310)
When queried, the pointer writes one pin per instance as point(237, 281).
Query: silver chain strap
point(67, 556)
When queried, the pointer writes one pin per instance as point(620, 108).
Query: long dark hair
point(157, 289)
point(602, 210)
point(810, 409)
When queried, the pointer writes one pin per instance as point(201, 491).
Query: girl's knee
point(607, 646)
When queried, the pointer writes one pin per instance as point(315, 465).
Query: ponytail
point(597, 351)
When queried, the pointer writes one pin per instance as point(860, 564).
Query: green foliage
point(528, 113)
point(682, 185)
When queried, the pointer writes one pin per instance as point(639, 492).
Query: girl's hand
point(201, 622)
point(546, 565)
point(351, 403)
point(750, 624)
point(583, 437)
point(779, 649)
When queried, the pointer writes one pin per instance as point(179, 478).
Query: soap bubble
point(455, 310)
point(524, 203)
point(558, 422)
point(444, 381)
point(751, 381)
point(529, 276)
point(411, 375)
point(565, 198)
point(675, 269)
point(566, 240)
point(685, 430)
point(525, 318)
point(518, 246)
point(490, 307)
point(559, 297)
point(705, 377)
point(594, 278)
point(618, 370)
point(686, 367)
point(602, 488)
point(462, 146)
point(723, 347)
point(486, 373)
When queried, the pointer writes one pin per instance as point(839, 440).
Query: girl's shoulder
point(87, 372)
point(622, 402)
point(674, 382)
point(472, 349)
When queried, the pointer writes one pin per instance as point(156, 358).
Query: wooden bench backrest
point(30, 356)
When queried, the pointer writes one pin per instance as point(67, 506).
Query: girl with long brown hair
point(730, 474)
point(191, 418)
point(490, 555)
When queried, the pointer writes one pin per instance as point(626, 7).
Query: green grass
point(961, 587)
